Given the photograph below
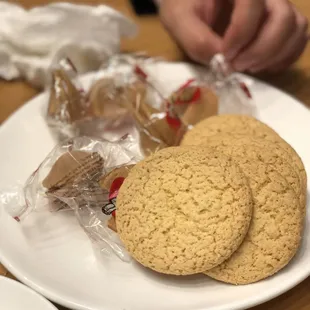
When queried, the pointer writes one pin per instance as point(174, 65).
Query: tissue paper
point(31, 41)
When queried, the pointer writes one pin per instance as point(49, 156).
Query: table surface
point(296, 81)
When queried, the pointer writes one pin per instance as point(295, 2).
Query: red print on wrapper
point(179, 98)
point(110, 207)
point(140, 73)
point(245, 89)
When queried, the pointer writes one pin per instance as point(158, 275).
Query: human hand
point(254, 35)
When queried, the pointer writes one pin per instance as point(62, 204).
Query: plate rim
point(28, 290)
point(240, 305)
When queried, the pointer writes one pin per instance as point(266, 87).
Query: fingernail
point(243, 65)
point(258, 68)
point(231, 54)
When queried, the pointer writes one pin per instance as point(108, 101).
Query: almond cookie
point(228, 123)
point(183, 211)
point(249, 126)
point(275, 231)
point(260, 150)
point(296, 161)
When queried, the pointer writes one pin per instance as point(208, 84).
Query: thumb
point(192, 33)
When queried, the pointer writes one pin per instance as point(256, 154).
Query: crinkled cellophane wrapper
point(128, 118)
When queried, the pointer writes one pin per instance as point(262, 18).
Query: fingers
point(292, 50)
point(210, 10)
point(261, 34)
point(276, 31)
point(298, 51)
point(191, 32)
point(246, 19)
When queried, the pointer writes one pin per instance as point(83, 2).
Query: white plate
point(16, 296)
point(56, 258)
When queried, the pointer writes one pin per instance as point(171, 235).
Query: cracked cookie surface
point(248, 126)
point(275, 231)
point(228, 123)
point(182, 211)
point(260, 150)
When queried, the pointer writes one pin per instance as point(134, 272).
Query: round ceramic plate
point(57, 259)
point(16, 296)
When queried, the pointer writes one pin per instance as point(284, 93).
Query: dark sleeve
point(144, 7)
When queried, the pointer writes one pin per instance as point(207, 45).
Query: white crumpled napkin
point(31, 41)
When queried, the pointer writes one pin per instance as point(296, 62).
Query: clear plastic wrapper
point(123, 99)
point(132, 118)
point(67, 102)
point(234, 94)
point(130, 91)
point(83, 175)
point(70, 113)
point(214, 91)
